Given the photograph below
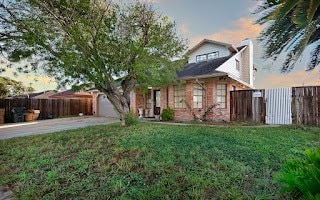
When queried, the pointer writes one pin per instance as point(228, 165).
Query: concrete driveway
point(51, 125)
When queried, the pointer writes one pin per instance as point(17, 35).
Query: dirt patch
point(5, 193)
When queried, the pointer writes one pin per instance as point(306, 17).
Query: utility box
point(18, 114)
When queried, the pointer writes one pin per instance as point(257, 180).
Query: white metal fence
point(278, 106)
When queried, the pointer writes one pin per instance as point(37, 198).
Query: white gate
point(278, 106)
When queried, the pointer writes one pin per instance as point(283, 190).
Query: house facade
point(213, 70)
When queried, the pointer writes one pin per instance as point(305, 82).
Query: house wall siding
point(245, 73)
point(230, 66)
point(209, 48)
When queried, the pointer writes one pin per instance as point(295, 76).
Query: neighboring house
point(213, 70)
point(71, 94)
point(37, 95)
point(43, 95)
point(101, 106)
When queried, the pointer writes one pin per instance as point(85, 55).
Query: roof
point(71, 94)
point(202, 68)
point(39, 95)
point(241, 47)
point(228, 46)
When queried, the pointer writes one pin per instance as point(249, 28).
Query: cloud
point(293, 79)
point(184, 29)
point(242, 28)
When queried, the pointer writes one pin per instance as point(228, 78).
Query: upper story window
point(213, 55)
point(208, 56)
point(238, 65)
point(201, 57)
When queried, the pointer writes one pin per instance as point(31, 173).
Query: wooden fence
point(298, 105)
point(306, 105)
point(47, 107)
point(245, 107)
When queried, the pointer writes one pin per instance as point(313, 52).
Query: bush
point(302, 176)
point(167, 114)
point(130, 119)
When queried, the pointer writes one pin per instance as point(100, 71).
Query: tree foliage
point(292, 26)
point(11, 87)
point(93, 42)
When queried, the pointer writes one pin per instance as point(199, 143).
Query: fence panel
point(49, 107)
point(278, 105)
point(245, 106)
point(306, 105)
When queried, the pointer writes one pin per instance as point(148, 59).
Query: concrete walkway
point(51, 125)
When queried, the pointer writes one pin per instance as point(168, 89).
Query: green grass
point(150, 161)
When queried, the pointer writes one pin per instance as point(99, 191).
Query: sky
point(228, 21)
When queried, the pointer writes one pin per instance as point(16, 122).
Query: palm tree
point(291, 27)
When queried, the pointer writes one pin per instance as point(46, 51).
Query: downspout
point(205, 90)
point(167, 97)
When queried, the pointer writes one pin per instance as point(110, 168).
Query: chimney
point(247, 72)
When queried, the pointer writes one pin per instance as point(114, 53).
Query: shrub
point(167, 114)
point(130, 119)
point(302, 176)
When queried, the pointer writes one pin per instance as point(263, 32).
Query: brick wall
point(209, 99)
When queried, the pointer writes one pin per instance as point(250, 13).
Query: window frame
point(201, 55)
point(195, 93)
point(215, 52)
point(221, 95)
point(179, 95)
point(206, 55)
point(238, 65)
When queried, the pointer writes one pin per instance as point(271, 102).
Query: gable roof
point(39, 95)
point(202, 68)
point(228, 46)
point(71, 94)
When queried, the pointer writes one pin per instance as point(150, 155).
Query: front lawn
point(150, 161)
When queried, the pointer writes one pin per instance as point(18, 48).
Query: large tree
point(93, 42)
point(291, 27)
point(11, 87)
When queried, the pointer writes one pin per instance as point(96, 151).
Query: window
point(197, 96)
point(208, 56)
point(234, 88)
point(222, 96)
point(180, 96)
point(237, 65)
point(213, 55)
point(200, 58)
point(148, 96)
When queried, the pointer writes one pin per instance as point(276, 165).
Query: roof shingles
point(202, 68)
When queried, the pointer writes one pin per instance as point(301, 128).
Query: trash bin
point(28, 116)
point(18, 114)
point(31, 115)
point(2, 114)
point(36, 114)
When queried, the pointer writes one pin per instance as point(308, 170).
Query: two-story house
point(213, 70)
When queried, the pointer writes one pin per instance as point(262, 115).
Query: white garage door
point(105, 108)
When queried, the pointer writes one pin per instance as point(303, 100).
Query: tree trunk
point(121, 105)
point(121, 102)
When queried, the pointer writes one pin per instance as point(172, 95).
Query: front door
point(156, 102)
